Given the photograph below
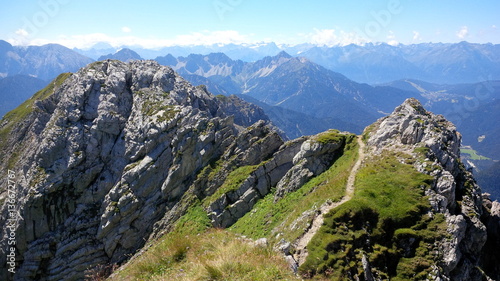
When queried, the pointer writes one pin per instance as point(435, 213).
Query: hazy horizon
point(106, 45)
point(153, 25)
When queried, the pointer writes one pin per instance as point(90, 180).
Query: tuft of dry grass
point(214, 255)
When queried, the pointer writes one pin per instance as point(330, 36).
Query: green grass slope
point(385, 223)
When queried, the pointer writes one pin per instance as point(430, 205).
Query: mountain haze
point(295, 84)
point(124, 55)
point(44, 62)
point(14, 90)
point(443, 63)
point(434, 62)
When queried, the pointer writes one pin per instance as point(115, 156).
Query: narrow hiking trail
point(301, 243)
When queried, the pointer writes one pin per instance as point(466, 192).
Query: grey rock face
point(312, 159)
point(106, 157)
point(287, 169)
point(454, 193)
point(410, 124)
point(246, 114)
point(489, 258)
point(262, 242)
point(252, 147)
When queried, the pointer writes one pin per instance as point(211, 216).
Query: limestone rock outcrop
point(313, 158)
point(454, 193)
point(105, 156)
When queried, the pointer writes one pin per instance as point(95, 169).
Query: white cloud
point(393, 42)
point(416, 36)
point(22, 32)
point(212, 37)
point(332, 37)
point(325, 37)
point(86, 41)
point(21, 38)
point(126, 29)
point(463, 32)
point(494, 26)
point(391, 39)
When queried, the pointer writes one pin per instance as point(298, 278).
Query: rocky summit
point(104, 158)
point(106, 163)
point(453, 191)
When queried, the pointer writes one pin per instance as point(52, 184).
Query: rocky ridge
point(114, 155)
point(103, 158)
point(434, 143)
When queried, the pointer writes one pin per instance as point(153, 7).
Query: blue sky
point(154, 24)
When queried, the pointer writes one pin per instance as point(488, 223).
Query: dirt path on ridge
point(301, 243)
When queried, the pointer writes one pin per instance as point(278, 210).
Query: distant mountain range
point(304, 98)
point(371, 63)
point(295, 84)
point(43, 62)
point(441, 63)
point(438, 63)
point(25, 70)
point(312, 91)
point(124, 55)
point(245, 52)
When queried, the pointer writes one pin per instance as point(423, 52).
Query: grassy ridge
point(330, 136)
point(15, 117)
point(386, 221)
